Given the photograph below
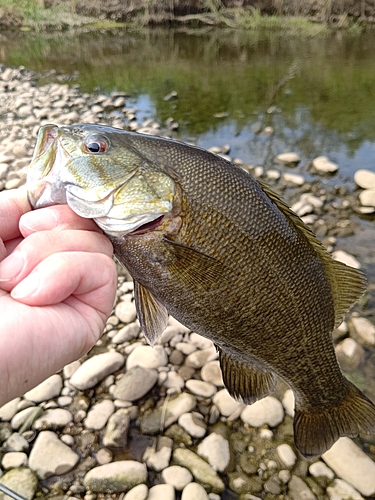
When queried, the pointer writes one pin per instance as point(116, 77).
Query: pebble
point(99, 414)
point(161, 492)
point(21, 480)
point(14, 459)
point(268, 410)
point(319, 469)
point(193, 424)
point(211, 372)
point(45, 391)
point(125, 311)
point(177, 476)
point(147, 357)
point(50, 456)
point(127, 333)
point(367, 197)
point(226, 404)
point(350, 354)
point(365, 179)
point(200, 388)
point(288, 402)
point(296, 179)
point(199, 358)
point(174, 380)
point(28, 414)
point(352, 465)
point(116, 477)
point(286, 455)
point(287, 158)
point(139, 492)
point(323, 165)
point(95, 369)
point(116, 433)
point(215, 449)
point(53, 419)
point(194, 491)
point(136, 382)
point(8, 411)
point(365, 330)
point(340, 490)
point(299, 490)
point(157, 457)
point(346, 258)
point(166, 415)
point(103, 456)
point(70, 369)
point(16, 442)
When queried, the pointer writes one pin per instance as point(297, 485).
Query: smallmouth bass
point(223, 254)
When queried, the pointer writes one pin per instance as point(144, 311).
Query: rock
point(116, 433)
point(166, 415)
point(211, 372)
point(319, 469)
point(158, 456)
point(194, 491)
point(367, 197)
point(199, 341)
point(288, 402)
point(25, 417)
point(299, 490)
point(365, 330)
point(14, 459)
point(286, 455)
point(302, 208)
point(70, 369)
point(215, 449)
point(96, 369)
point(365, 179)
point(50, 457)
point(177, 476)
point(99, 414)
point(16, 442)
point(199, 358)
point(53, 419)
point(352, 465)
point(200, 388)
point(346, 258)
point(323, 165)
point(242, 484)
point(350, 354)
point(139, 492)
point(116, 477)
point(125, 311)
point(103, 456)
point(147, 357)
point(127, 333)
point(296, 179)
point(174, 380)
point(287, 158)
point(201, 470)
point(135, 383)
point(340, 490)
point(193, 423)
point(21, 480)
point(226, 404)
point(161, 492)
point(268, 410)
point(8, 411)
point(45, 391)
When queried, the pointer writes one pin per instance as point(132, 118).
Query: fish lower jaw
point(122, 227)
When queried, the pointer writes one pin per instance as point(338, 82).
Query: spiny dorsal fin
point(347, 284)
point(152, 315)
point(244, 382)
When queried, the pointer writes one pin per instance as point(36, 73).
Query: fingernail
point(11, 266)
point(36, 220)
point(26, 288)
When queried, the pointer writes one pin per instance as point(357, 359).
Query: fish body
point(223, 254)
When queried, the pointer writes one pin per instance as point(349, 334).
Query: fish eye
point(96, 144)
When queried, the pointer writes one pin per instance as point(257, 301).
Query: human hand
point(57, 289)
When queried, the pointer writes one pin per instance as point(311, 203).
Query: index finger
point(13, 204)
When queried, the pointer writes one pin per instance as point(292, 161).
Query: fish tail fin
point(317, 429)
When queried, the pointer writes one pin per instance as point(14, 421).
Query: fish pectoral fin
point(194, 267)
point(152, 315)
point(244, 382)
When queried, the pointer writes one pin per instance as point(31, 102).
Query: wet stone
point(365, 330)
point(193, 423)
point(240, 483)
point(365, 179)
point(350, 354)
point(211, 372)
point(168, 414)
point(298, 489)
point(157, 457)
point(16, 442)
point(116, 433)
point(137, 382)
point(139, 492)
point(226, 404)
point(268, 410)
point(201, 388)
point(116, 477)
point(21, 480)
point(323, 165)
point(286, 455)
point(177, 476)
point(287, 158)
point(161, 492)
point(194, 491)
point(215, 449)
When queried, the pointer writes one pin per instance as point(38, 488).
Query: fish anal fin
point(245, 382)
point(317, 429)
point(193, 268)
point(152, 315)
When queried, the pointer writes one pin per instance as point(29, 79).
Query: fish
point(222, 253)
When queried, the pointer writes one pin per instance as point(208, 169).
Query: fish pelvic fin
point(317, 429)
point(244, 382)
point(152, 315)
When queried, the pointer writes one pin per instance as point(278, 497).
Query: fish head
point(94, 170)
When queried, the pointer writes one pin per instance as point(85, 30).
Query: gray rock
point(268, 410)
point(166, 415)
point(116, 477)
point(52, 419)
point(51, 457)
point(286, 455)
point(161, 492)
point(157, 457)
point(193, 423)
point(365, 330)
point(139, 492)
point(215, 449)
point(200, 388)
point(299, 490)
point(226, 404)
point(99, 414)
point(16, 442)
point(116, 433)
point(95, 369)
point(177, 476)
point(323, 165)
point(45, 391)
point(340, 490)
point(14, 459)
point(21, 480)
point(365, 179)
point(127, 333)
point(147, 357)
point(135, 383)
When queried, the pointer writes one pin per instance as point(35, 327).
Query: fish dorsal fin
point(245, 382)
point(347, 284)
point(194, 268)
point(152, 315)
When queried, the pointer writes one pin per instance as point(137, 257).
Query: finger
point(13, 203)
point(62, 275)
point(38, 246)
point(54, 217)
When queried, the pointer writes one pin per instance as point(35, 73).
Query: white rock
point(103, 456)
point(324, 165)
point(193, 424)
point(226, 404)
point(16, 442)
point(285, 158)
point(286, 455)
point(296, 179)
point(199, 358)
point(211, 372)
point(268, 410)
point(288, 402)
point(199, 341)
point(350, 354)
point(215, 449)
point(351, 464)
point(139, 492)
point(161, 492)
point(194, 491)
point(117, 476)
point(157, 457)
point(53, 418)
point(298, 489)
point(365, 330)
point(125, 311)
point(340, 490)
point(302, 208)
point(21, 480)
point(273, 175)
point(200, 388)
point(47, 390)
point(365, 179)
point(20, 418)
point(99, 414)
point(177, 476)
point(174, 380)
point(346, 258)
point(8, 411)
point(71, 368)
point(50, 457)
point(313, 200)
point(127, 333)
point(96, 369)
point(147, 356)
point(14, 459)
point(319, 469)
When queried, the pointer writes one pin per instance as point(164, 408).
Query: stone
point(201, 388)
point(350, 354)
point(16, 442)
point(71, 368)
point(127, 333)
point(157, 457)
point(194, 491)
point(199, 341)
point(25, 417)
point(21, 480)
point(116, 477)
point(166, 415)
point(14, 459)
point(116, 433)
point(53, 418)
point(185, 347)
point(319, 469)
point(296, 179)
point(268, 410)
point(201, 470)
point(8, 411)
point(147, 357)
point(226, 404)
point(367, 197)
point(99, 414)
point(103, 456)
point(50, 456)
point(139, 492)
point(95, 369)
point(136, 382)
point(161, 492)
point(340, 490)
point(287, 158)
point(365, 330)
point(45, 391)
point(193, 423)
point(174, 380)
point(346, 258)
point(211, 372)
point(125, 311)
point(323, 165)
point(352, 465)
point(215, 449)
point(365, 179)
point(288, 402)
point(199, 358)
point(286, 455)
point(298, 489)
point(177, 476)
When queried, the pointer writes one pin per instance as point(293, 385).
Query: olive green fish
point(225, 256)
